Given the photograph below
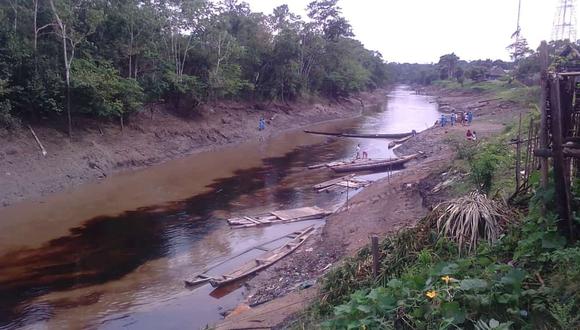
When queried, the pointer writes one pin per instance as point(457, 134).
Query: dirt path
point(382, 208)
point(150, 138)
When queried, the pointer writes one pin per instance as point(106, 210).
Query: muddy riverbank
point(114, 253)
point(284, 290)
point(151, 137)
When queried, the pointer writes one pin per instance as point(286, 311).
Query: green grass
point(514, 91)
point(529, 279)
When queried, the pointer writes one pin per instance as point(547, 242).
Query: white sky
point(422, 30)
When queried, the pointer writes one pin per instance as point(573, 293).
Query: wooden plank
point(299, 213)
point(560, 182)
point(332, 182)
point(252, 220)
point(518, 155)
point(543, 133)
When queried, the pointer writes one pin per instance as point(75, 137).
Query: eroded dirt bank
point(285, 289)
point(149, 138)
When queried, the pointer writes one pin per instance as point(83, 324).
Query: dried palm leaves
point(469, 219)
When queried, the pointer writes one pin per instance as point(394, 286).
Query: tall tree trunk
point(67, 64)
point(14, 5)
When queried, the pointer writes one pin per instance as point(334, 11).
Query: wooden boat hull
point(375, 166)
point(378, 136)
point(323, 133)
point(394, 143)
point(362, 135)
point(265, 261)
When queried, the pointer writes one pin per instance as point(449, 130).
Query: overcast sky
point(422, 30)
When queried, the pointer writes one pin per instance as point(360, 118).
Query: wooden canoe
point(394, 143)
point(266, 260)
point(375, 166)
point(204, 276)
point(323, 133)
point(363, 135)
point(378, 136)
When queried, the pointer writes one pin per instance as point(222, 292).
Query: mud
point(382, 208)
point(157, 134)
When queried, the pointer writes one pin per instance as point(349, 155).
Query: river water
point(114, 254)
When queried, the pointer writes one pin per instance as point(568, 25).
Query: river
point(114, 254)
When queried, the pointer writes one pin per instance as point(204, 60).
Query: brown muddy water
point(114, 254)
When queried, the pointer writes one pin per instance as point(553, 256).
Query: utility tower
point(565, 21)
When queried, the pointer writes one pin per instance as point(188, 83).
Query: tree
point(75, 20)
point(448, 63)
point(328, 19)
point(519, 49)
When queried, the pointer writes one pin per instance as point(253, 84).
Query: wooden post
point(543, 134)
point(375, 252)
point(561, 183)
point(519, 155)
point(528, 166)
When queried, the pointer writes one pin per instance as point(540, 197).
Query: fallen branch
point(44, 153)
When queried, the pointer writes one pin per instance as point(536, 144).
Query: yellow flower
point(431, 294)
point(446, 279)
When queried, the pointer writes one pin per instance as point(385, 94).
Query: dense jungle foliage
point(105, 59)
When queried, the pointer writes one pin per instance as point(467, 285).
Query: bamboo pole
point(543, 141)
point(518, 155)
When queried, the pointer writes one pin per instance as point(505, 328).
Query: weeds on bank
point(526, 277)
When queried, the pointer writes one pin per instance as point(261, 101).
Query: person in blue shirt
point(443, 120)
point(469, 117)
point(261, 124)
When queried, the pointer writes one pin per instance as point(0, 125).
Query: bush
point(97, 89)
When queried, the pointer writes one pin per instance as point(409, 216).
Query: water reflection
point(127, 270)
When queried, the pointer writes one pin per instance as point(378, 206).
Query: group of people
point(463, 118)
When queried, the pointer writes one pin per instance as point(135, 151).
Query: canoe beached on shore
point(255, 265)
point(375, 165)
point(363, 135)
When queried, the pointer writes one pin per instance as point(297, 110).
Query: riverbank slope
point(386, 206)
point(151, 137)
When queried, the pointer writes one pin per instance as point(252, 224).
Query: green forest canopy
point(105, 59)
point(112, 56)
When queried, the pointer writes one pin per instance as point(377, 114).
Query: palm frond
point(469, 219)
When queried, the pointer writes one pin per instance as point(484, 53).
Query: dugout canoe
point(381, 165)
point(264, 261)
point(362, 135)
point(377, 136)
point(394, 143)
